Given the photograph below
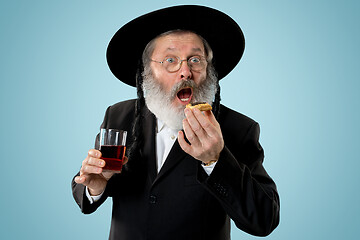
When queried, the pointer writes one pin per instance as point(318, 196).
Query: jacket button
point(152, 199)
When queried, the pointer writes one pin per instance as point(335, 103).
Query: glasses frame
point(180, 61)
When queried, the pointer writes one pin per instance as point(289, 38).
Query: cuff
point(92, 199)
point(208, 169)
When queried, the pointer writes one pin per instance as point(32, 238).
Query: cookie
point(202, 106)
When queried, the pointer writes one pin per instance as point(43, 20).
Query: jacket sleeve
point(242, 186)
point(119, 116)
point(78, 191)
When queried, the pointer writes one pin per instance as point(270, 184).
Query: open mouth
point(184, 95)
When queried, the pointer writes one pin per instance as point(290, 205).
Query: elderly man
point(187, 172)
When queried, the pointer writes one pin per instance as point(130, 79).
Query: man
point(188, 172)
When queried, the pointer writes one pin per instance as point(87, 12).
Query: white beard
point(159, 102)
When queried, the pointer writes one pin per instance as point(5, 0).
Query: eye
point(170, 60)
point(194, 60)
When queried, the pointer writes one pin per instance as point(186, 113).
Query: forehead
point(180, 42)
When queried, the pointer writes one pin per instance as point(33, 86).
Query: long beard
point(159, 102)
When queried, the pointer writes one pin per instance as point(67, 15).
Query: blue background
point(299, 78)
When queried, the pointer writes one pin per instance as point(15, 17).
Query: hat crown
point(217, 28)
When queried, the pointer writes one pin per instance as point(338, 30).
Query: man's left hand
point(204, 134)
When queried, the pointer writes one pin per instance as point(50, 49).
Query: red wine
point(113, 156)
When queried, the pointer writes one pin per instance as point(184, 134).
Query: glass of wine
point(112, 148)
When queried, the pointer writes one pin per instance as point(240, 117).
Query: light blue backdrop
point(299, 78)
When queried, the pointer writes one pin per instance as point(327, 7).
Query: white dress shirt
point(165, 139)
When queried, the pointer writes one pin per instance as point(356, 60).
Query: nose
point(185, 71)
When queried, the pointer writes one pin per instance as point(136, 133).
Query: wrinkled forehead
point(179, 41)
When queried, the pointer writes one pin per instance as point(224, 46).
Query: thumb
point(125, 160)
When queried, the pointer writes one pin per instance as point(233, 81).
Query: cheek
point(162, 79)
point(200, 78)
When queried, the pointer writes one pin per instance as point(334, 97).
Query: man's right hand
point(92, 174)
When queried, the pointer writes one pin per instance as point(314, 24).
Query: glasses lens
point(196, 63)
point(171, 64)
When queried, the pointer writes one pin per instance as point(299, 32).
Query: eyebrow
point(193, 49)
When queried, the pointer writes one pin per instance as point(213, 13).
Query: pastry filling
point(196, 103)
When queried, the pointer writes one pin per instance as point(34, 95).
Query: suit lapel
point(175, 155)
point(149, 153)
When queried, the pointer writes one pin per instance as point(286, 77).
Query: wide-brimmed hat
point(221, 32)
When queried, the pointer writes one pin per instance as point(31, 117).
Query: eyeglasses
point(173, 64)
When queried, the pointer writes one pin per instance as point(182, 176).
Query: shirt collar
point(160, 125)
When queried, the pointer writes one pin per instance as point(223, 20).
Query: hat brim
point(221, 32)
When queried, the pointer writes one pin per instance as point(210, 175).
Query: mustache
point(183, 84)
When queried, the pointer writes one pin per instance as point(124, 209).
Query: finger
point(91, 165)
point(210, 115)
point(210, 129)
point(79, 179)
point(203, 120)
point(125, 160)
point(84, 180)
point(89, 169)
point(190, 135)
point(192, 118)
point(94, 153)
point(183, 144)
point(97, 162)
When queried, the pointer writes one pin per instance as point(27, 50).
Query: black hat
point(221, 32)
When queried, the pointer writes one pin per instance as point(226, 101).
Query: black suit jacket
point(182, 201)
